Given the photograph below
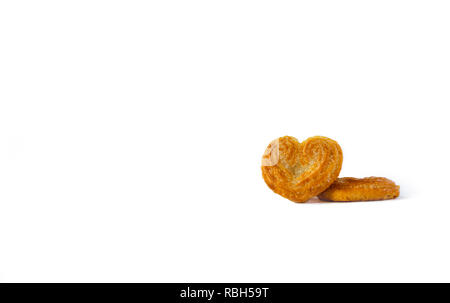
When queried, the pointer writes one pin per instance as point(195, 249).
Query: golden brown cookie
point(299, 171)
point(365, 189)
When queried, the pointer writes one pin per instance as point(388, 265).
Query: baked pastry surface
point(300, 171)
point(365, 189)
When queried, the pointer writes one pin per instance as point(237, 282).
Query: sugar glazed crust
point(300, 171)
point(365, 189)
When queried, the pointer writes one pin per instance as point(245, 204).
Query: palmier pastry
point(365, 189)
point(299, 171)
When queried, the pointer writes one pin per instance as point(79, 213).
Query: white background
point(131, 134)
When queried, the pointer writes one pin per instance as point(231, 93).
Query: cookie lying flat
point(365, 189)
point(300, 171)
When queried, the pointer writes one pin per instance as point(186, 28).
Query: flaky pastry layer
point(365, 189)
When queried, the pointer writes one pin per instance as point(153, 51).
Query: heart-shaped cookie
point(300, 171)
